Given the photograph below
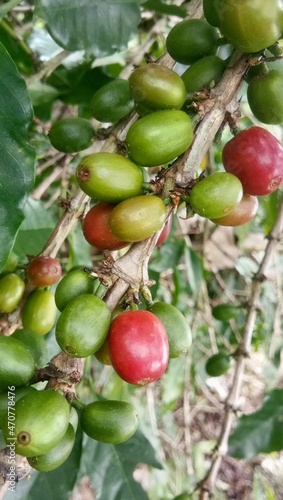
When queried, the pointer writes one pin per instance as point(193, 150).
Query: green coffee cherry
point(35, 344)
point(109, 421)
point(83, 326)
point(71, 135)
point(177, 328)
point(76, 282)
point(57, 455)
point(39, 312)
point(42, 419)
point(12, 289)
point(112, 102)
point(17, 365)
point(218, 364)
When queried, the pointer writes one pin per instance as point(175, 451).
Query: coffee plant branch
point(75, 206)
point(131, 269)
point(232, 402)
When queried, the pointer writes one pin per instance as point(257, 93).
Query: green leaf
point(194, 269)
point(17, 156)
point(42, 93)
point(100, 28)
point(270, 205)
point(79, 249)
point(172, 383)
point(18, 49)
point(246, 266)
point(259, 432)
point(111, 467)
point(167, 256)
point(34, 231)
point(164, 8)
point(4, 9)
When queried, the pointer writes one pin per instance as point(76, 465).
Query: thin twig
point(48, 163)
point(43, 187)
point(232, 402)
point(48, 67)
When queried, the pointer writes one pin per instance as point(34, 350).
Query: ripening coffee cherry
point(255, 156)
point(109, 177)
point(216, 195)
point(155, 87)
point(43, 271)
point(96, 228)
point(242, 213)
point(137, 218)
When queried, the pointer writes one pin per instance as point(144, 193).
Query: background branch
point(232, 402)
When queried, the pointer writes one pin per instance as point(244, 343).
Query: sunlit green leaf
point(35, 229)
point(167, 256)
point(100, 28)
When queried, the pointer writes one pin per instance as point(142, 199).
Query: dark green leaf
point(100, 28)
point(42, 93)
point(17, 156)
point(194, 269)
point(111, 467)
point(260, 432)
point(79, 249)
point(17, 48)
point(164, 8)
point(168, 255)
point(181, 289)
point(35, 229)
point(270, 205)
point(172, 383)
point(153, 275)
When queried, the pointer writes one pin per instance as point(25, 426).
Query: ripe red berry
point(255, 156)
point(138, 347)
